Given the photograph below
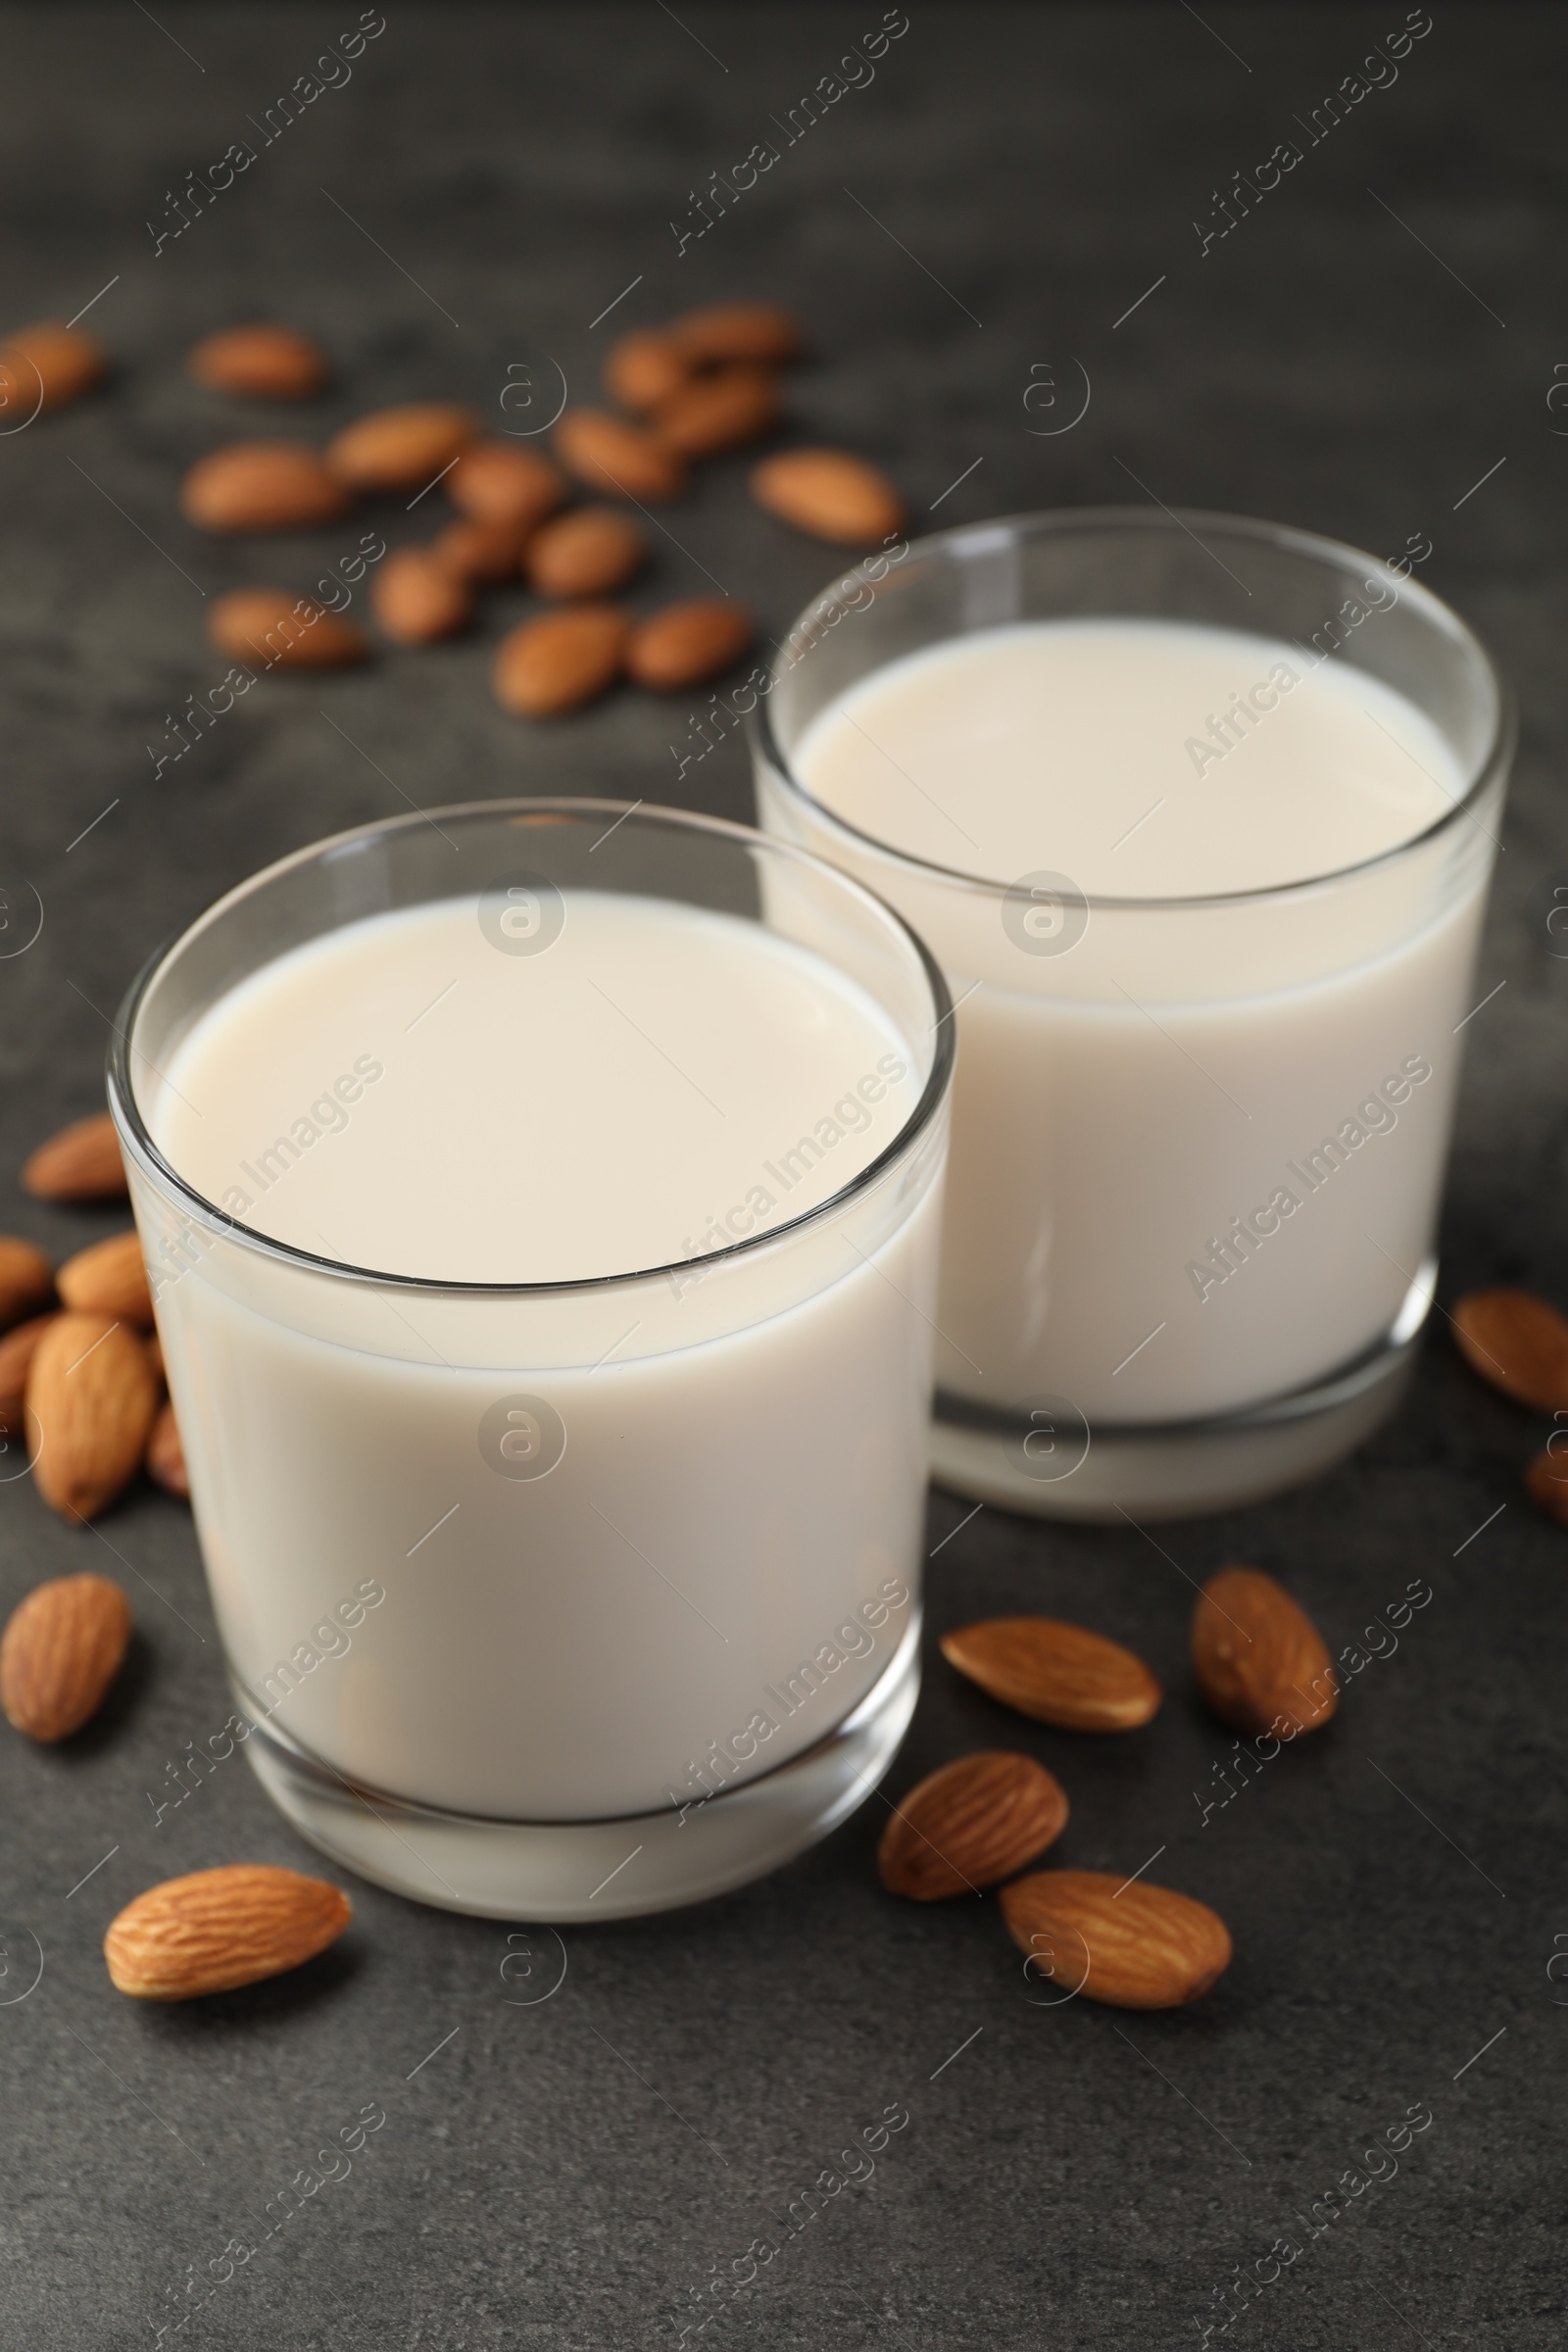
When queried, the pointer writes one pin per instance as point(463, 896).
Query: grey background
point(566, 2173)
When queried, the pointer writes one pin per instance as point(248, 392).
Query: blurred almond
point(26, 1280)
point(267, 629)
point(718, 412)
point(1518, 1342)
point(166, 1455)
point(220, 1929)
point(1546, 1481)
point(974, 1822)
point(1117, 1940)
point(559, 660)
point(62, 1648)
point(262, 486)
point(1056, 1672)
point(260, 362)
point(501, 481)
point(590, 552)
point(43, 367)
point(82, 1162)
point(109, 1279)
point(645, 367)
point(828, 494)
point(155, 1357)
point(418, 598)
point(1257, 1655)
point(91, 1401)
point(402, 448)
point(686, 642)
point(740, 330)
point(16, 1351)
point(484, 553)
point(611, 454)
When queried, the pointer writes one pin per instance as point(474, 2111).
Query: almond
point(260, 362)
point(973, 1821)
point(109, 1279)
point(166, 1455)
point(44, 366)
point(1258, 1656)
point(611, 454)
point(1518, 1342)
point(155, 1357)
point(485, 553)
point(828, 494)
point(684, 643)
point(82, 1162)
point(220, 1929)
point(1057, 1673)
point(417, 597)
point(589, 551)
point(645, 367)
point(61, 1650)
point(26, 1280)
point(266, 629)
point(91, 1399)
point(558, 661)
point(719, 411)
point(1546, 1479)
point(740, 330)
point(17, 1351)
point(262, 486)
point(1119, 1940)
point(402, 448)
point(497, 481)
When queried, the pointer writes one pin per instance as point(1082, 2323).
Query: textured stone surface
point(565, 2173)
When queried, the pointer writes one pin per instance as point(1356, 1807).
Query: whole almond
point(1257, 1655)
point(402, 448)
point(645, 367)
point(43, 367)
point(91, 1401)
point(17, 1351)
point(590, 552)
point(418, 598)
point(220, 1928)
point(155, 1357)
point(166, 1455)
point(719, 411)
point(62, 1648)
point(611, 454)
point(1056, 1672)
point(109, 1279)
point(968, 1825)
point(558, 661)
point(688, 642)
point(484, 553)
point(266, 629)
point(740, 330)
point(1117, 1940)
point(82, 1162)
point(26, 1280)
point(828, 494)
point(262, 486)
point(501, 481)
point(1518, 1342)
point(1546, 1479)
point(260, 362)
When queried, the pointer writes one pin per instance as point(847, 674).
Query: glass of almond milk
point(1197, 814)
point(556, 1422)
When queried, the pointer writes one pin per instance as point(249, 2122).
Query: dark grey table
point(1370, 350)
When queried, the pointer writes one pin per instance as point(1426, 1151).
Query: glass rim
point(981, 537)
point(136, 1139)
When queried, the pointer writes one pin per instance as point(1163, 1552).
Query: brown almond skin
point(109, 1279)
point(485, 554)
point(90, 1406)
point(1257, 1655)
point(1129, 1944)
point(740, 330)
point(591, 552)
point(400, 448)
point(26, 1280)
point(611, 456)
point(45, 365)
point(82, 1162)
point(265, 628)
point(417, 599)
point(968, 1825)
point(645, 367)
point(260, 362)
point(1056, 1673)
point(220, 1928)
point(262, 486)
point(166, 1454)
point(17, 1351)
point(829, 495)
point(62, 1648)
point(1518, 1342)
point(686, 642)
point(559, 660)
point(719, 411)
point(1546, 1481)
point(502, 482)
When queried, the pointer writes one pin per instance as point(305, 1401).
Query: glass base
point(588, 1870)
point(1179, 1469)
